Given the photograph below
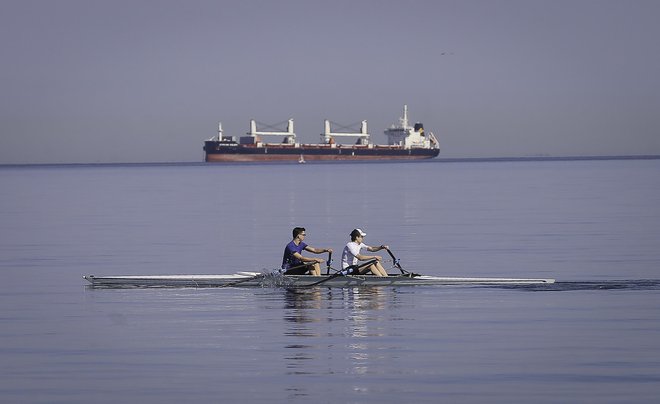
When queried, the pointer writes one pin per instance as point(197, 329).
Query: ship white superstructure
point(408, 136)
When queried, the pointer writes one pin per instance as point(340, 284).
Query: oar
point(396, 264)
point(260, 276)
point(344, 272)
point(252, 278)
point(327, 263)
point(307, 264)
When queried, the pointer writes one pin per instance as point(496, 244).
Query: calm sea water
point(592, 337)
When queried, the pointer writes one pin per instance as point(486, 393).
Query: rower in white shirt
point(351, 255)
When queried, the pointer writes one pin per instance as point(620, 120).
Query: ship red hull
point(219, 153)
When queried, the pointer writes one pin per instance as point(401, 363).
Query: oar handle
point(395, 261)
point(328, 263)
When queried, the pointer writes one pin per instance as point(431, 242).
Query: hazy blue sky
point(134, 81)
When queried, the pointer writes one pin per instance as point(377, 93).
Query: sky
point(94, 81)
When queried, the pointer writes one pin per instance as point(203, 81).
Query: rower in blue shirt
point(294, 262)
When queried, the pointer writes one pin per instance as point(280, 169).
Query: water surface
point(592, 225)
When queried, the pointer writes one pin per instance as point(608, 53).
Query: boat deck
point(253, 279)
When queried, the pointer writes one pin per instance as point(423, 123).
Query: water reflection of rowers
point(294, 262)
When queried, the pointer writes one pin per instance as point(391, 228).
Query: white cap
point(359, 231)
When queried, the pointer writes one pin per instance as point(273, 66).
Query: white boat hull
point(253, 279)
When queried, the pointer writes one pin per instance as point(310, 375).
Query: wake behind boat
point(256, 279)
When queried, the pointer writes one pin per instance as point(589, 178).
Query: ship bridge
point(408, 136)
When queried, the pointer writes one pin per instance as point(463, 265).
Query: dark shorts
point(298, 271)
point(363, 268)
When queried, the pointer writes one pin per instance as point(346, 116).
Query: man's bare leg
point(377, 269)
point(382, 270)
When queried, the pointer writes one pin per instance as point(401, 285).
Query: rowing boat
point(255, 279)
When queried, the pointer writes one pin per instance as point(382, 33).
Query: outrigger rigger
point(349, 277)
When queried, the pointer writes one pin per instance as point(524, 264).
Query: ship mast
point(404, 120)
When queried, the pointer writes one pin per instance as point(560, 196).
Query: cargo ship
point(404, 142)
